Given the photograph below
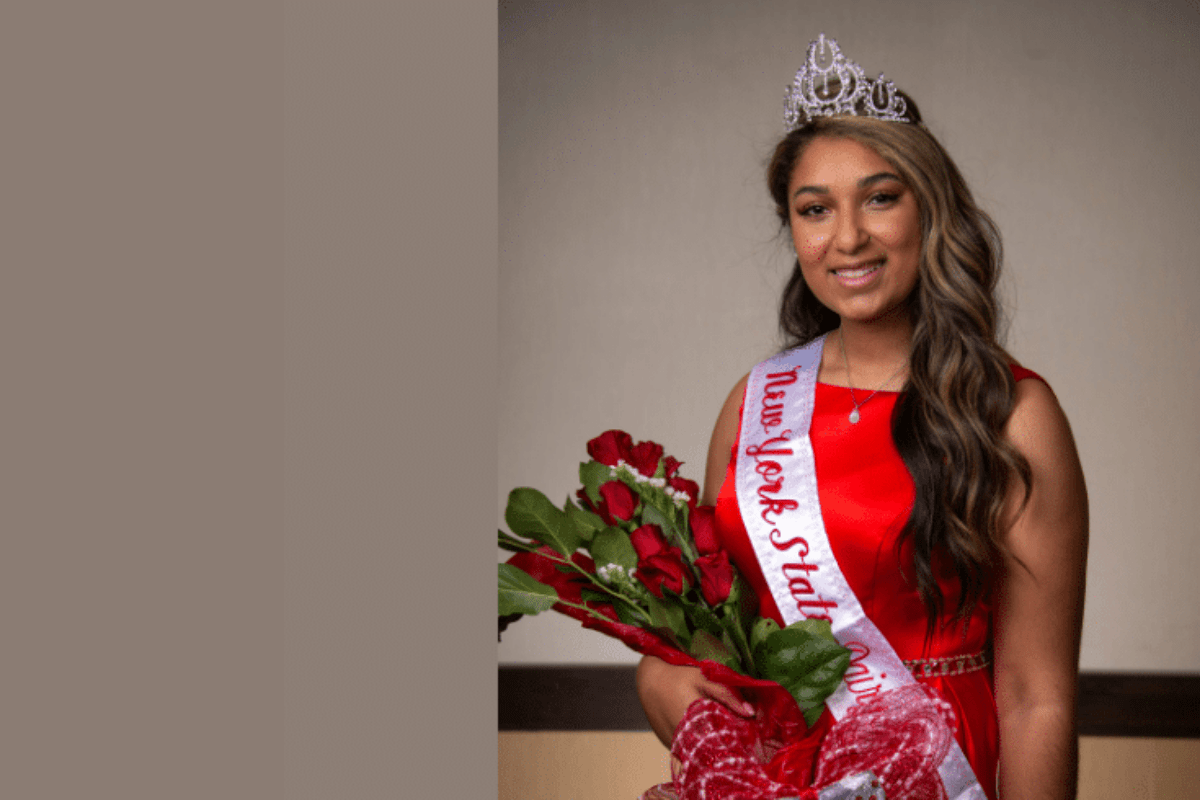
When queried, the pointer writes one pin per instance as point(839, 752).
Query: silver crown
point(853, 93)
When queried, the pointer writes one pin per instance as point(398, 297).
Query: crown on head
point(838, 88)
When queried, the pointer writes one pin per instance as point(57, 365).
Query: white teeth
point(856, 273)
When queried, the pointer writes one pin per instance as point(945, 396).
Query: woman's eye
point(811, 210)
point(884, 198)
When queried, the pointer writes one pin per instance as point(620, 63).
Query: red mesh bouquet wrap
point(638, 560)
point(716, 753)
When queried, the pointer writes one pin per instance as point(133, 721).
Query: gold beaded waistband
point(948, 665)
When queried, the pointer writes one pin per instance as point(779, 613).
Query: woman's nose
point(851, 234)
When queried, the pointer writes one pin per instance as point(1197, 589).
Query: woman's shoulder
point(730, 418)
point(724, 438)
point(1021, 373)
point(1037, 425)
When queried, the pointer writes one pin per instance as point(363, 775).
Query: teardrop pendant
point(854, 417)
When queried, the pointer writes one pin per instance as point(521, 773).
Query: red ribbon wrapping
point(773, 752)
point(901, 735)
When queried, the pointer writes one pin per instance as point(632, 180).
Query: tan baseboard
point(580, 765)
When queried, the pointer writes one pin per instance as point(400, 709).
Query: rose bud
point(647, 541)
point(644, 457)
point(617, 502)
point(672, 465)
point(663, 569)
point(704, 531)
point(610, 447)
point(716, 577)
point(689, 488)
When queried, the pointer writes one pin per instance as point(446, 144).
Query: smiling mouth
point(858, 272)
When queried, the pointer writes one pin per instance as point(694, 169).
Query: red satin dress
point(866, 495)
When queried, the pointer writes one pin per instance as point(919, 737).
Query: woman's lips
point(857, 276)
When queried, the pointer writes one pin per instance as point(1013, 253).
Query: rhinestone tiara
point(811, 95)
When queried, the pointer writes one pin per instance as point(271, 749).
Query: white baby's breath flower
point(617, 576)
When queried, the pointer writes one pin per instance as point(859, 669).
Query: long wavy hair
point(948, 425)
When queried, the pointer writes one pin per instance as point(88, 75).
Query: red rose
point(665, 569)
point(716, 577)
point(672, 465)
point(704, 531)
point(648, 541)
point(689, 488)
point(658, 564)
point(644, 457)
point(610, 446)
point(617, 502)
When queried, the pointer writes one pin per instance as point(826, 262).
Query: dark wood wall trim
point(1139, 704)
point(604, 699)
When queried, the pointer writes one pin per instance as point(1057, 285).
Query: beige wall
point(619, 766)
point(639, 268)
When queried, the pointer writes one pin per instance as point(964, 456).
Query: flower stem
point(559, 559)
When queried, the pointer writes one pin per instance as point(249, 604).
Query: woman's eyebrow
point(862, 184)
point(810, 190)
point(877, 177)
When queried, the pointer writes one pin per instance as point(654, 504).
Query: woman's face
point(856, 227)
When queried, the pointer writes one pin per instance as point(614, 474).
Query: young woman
point(945, 477)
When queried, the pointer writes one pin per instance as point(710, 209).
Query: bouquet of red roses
point(638, 559)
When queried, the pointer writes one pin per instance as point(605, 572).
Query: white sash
point(777, 495)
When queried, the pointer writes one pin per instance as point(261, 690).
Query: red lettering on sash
point(776, 379)
point(768, 469)
point(802, 591)
point(771, 447)
point(803, 543)
point(771, 414)
point(774, 506)
point(859, 678)
point(771, 473)
point(767, 456)
point(820, 602)
point(798, 586)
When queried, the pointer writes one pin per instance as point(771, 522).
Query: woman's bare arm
point(666, 690)
point(1039, 610)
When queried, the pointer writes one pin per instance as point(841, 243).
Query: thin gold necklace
point(854, 415)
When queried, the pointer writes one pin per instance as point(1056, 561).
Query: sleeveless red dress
point(866, 495)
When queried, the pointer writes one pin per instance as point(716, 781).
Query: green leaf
point(707, 646)
point(805, 659)
point(705, 619)
point(521, 594)
point(612, 546)
point(727, 640)
point(760, 630)
point(631, 614)
point(512, 543)
point(585, 523)
point(735, 629)
point(531, 514)
point(660, 469)
point(743, 600)
point(667, 616)
point(593, 596)
point(592, 474)
point(653, 515)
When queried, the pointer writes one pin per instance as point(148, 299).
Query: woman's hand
point(667, 690)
